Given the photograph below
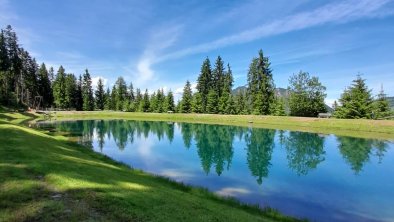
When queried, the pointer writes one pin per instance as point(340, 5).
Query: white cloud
point(179, 91)
point(330, 102)
point(331, 13)
point(177, 174)
point(96, 79)
point(160, 40)
point(232, 191)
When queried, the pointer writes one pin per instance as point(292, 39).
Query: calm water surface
point(314, 176)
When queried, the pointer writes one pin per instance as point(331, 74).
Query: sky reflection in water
point(320, 177)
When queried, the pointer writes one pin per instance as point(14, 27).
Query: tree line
point(23, 82)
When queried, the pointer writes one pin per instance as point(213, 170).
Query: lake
point(307, 175)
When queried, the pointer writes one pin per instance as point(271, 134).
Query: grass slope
point(47, 178)
point(378, 129)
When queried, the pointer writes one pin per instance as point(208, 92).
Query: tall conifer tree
point(100, 95)
point(261, 85)
point(87, 92)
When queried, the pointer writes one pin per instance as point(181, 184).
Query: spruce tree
point(356, 101)
point(381, 105)
point(113, 98)
point(78, 95)
point(197, 103)
point(204, 82)
point(218, 77)
point(44, 86)
point(230, 106)
point(186, 105)
point(14, 78)
point(131, 92)
point(153, 102)
point(100, 95)
point(120, 93)
point(87, 92)
point(59, 91)
point(160, 97)
point(70, 91)
point(138, 100)
point(279, 107)
point(226, 91)
point(107, 105)
point(169, 102)
point(261, 85)
point(240, 103)
point(145, 104)
point(212, 103)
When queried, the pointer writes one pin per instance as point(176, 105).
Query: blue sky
point(161, 44)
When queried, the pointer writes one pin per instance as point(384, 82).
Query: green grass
point(378, 129)
point(47, 178)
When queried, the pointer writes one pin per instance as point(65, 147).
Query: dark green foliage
point(113, 98)
point(230, 106)
point(212, 102)
point(218, 77)
point(260, 145)
point(18, 72)
point(307, 95)
point(78, 95)
point(356, 101)
point(357, 151)
point(44, 86)
point(186, 103)
point(197, 103)
point(240, 103)
point(59, 90)
point(226, 88)
point(107, 105)
point(138, 100)
point(26, 84)
point(261, 86)
point(157, 101)
point(278, 108)
point(87, 92)
point(381, 106)
point(70, 91)
point(145, 103)
point(100, 95)
point(153, 102)
point(213, 152)
point(204, 82)
point(120, 93)
point(304, 151)
point(169, 104)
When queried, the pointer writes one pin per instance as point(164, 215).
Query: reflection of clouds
point(144, 147)
point(176, 174)
point(232, 191)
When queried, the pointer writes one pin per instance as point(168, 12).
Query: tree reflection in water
point(214, 143)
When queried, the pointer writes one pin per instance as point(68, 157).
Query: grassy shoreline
point(47, 178)
point(378, 129)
